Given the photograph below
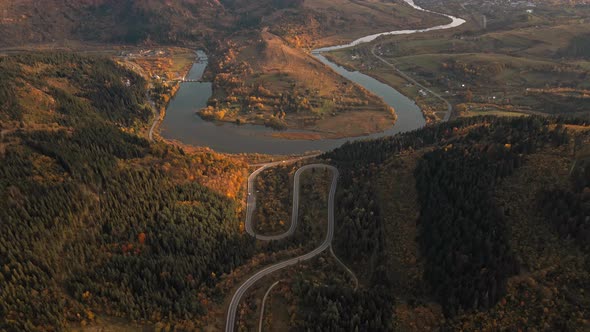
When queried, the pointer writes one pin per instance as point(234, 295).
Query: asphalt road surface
point(235, 301)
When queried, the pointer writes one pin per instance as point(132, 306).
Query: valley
point(497, 69)
point(330, 165)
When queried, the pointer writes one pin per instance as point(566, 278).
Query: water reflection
point(181, 123)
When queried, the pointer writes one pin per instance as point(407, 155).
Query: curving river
point(182, 124)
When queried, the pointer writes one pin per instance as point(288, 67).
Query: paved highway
point(235, 301)
point(251, 200)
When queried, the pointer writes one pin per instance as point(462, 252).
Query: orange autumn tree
point(141, 238)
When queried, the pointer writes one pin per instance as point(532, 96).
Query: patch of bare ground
point(278, 315)
point(398, 201)
point(297, 135)
point(355, 123)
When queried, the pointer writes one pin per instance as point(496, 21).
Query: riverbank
point(262, 80)
point(422, 95)
point(432, 107)
point(184, 125)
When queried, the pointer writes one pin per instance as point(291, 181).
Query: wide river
point(182, 124)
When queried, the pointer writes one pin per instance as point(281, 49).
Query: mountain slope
point(500, 239)
point(96, 220)
point(127, 21)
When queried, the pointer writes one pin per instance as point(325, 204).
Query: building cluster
point(146, 53)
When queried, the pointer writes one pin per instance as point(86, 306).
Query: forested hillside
point(260, 65)
point(192, 21)
point(46, 21)
point(474, 262)
point(129, 21)
point(96, 219)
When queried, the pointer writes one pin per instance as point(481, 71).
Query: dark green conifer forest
point(88, 223)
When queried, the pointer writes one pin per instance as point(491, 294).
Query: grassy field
point(432, 107)
point(398, 199)
point(522, 65)
point(173, 63)
point(272, 83)
point(479, 110)
point(351, 19)
point(267, 76)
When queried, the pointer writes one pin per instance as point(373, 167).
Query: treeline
point(167, 245)
point(293, 103)
point(92, 220)
point(132, 22)
point(568, 210)
point(361, 153)
point(470, 72)
point(359, 231)
point(288, 3)
point(135, 24)
point(579, 47)
point(334, 308)
point(358, 242)
point(9, 72)
point(90, 153)
point(137, 246)
point(462, 234)
point(569, 213)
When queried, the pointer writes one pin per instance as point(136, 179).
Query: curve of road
point(251, 201)
point(235, 301)
point(263, 304)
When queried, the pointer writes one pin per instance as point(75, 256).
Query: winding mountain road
point(235, 301)
point(251, 199)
